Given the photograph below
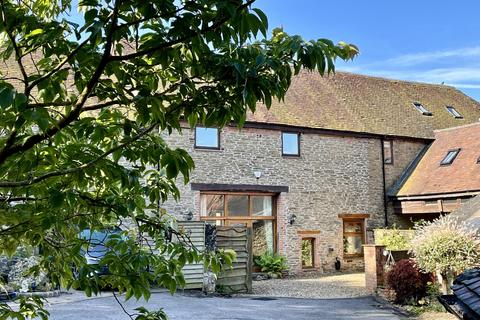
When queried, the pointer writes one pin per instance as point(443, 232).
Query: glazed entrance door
point(255, 211)
point(262, 234)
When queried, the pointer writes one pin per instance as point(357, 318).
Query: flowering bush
point(407, 281)
point(446, 246)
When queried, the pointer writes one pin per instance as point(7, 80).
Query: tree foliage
point(80, 98)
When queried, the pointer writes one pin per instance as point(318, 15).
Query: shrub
point(394, 238)
point(446, 246)
point(406, 280)
point(272, 263)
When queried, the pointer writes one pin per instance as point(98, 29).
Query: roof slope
point(469, 211)
point(350, 102)
point(359, 103)
point(429, 177)
point(466, 288)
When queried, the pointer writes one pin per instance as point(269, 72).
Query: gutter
point(385, 197)
point(325, 131)
point(443, 195)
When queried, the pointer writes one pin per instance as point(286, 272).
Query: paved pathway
point(245, 308)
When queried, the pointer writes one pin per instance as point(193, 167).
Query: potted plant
point(273, 264)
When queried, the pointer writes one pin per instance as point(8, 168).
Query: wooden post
point(249, 260)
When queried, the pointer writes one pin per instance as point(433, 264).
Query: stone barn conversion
point(314, 172)
point(323, 168)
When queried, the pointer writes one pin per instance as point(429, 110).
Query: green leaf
point(6, 96)
point(56, 198)
point(34, 33)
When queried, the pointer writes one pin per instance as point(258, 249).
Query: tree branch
point(121, 305)
point(7, 151)
point(16, 184)
point(14, 199)
point(47, 75)
point(11, 37)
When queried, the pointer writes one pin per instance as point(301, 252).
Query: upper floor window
point(422, 109)
point(454, 112)
point(207, 138)
point(290, 144)
point(388, 151)
point(451, 155)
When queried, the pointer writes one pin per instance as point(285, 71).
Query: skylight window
point(422, 109)
point(451, 155)
point(454, 112)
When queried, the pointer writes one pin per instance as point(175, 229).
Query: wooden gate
point(239, 277)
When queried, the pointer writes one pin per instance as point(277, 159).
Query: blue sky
point(423, 40)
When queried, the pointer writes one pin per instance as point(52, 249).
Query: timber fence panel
point(238, 278)
point(193, 273)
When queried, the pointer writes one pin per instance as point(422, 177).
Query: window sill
point(352, 255)
point(309, 268)
point(207, 149)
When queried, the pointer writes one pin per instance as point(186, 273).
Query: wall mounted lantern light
point(188, 216)
point(257, 174)
point(291, 218)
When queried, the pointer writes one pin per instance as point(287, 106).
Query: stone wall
point(404, 152)
point(334, 175)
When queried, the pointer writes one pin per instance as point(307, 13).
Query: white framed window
point(207, 138)
point(422, 109)
point(388, 151)
point(450, 157)
point(290, 144)
point(454, 112)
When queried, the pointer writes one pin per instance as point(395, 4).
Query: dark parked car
point(97, 248)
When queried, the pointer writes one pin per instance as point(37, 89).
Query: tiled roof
point(352, 102)
point(359, 103)
point(429, 177)
point(469, 211)
point(465, 300)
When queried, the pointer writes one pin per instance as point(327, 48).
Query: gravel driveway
point(335, 286)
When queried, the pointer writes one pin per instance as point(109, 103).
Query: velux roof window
point(422, 109)
point(454, 112)
point(451, 155)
